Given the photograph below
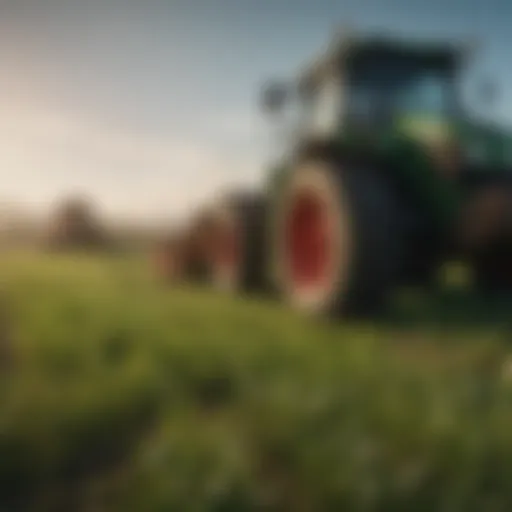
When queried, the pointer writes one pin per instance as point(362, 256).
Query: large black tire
point(364, 232)
point(238, 259)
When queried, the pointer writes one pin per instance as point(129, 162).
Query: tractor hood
point(484, 145)
point(481, 145)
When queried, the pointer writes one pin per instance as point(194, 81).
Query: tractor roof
point(351, 49)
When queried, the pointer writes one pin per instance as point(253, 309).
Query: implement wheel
point(237, 251)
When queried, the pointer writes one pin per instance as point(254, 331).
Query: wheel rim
point(309, 243)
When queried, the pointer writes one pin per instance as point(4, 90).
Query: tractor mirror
point(274, 97)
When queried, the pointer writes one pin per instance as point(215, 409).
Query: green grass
point(119, 394)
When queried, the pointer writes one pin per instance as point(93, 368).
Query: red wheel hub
point(309, 243)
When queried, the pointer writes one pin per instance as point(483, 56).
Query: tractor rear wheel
point(338, 240)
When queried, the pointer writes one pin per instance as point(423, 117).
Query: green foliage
point(130, 396)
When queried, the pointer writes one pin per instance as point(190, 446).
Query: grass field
point(118, 394)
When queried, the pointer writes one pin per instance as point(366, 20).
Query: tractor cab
point(375, 87)
point(371, 84)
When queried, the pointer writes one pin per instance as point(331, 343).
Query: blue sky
point(151, 106)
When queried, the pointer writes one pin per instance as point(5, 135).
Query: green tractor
point(386, 178)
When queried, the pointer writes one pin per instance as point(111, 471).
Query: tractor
point(385, 177)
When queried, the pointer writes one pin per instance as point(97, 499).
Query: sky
point(151, 107)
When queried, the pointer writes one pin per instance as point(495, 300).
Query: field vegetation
point(120, 394)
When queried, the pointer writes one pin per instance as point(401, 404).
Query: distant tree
point(75, 225)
